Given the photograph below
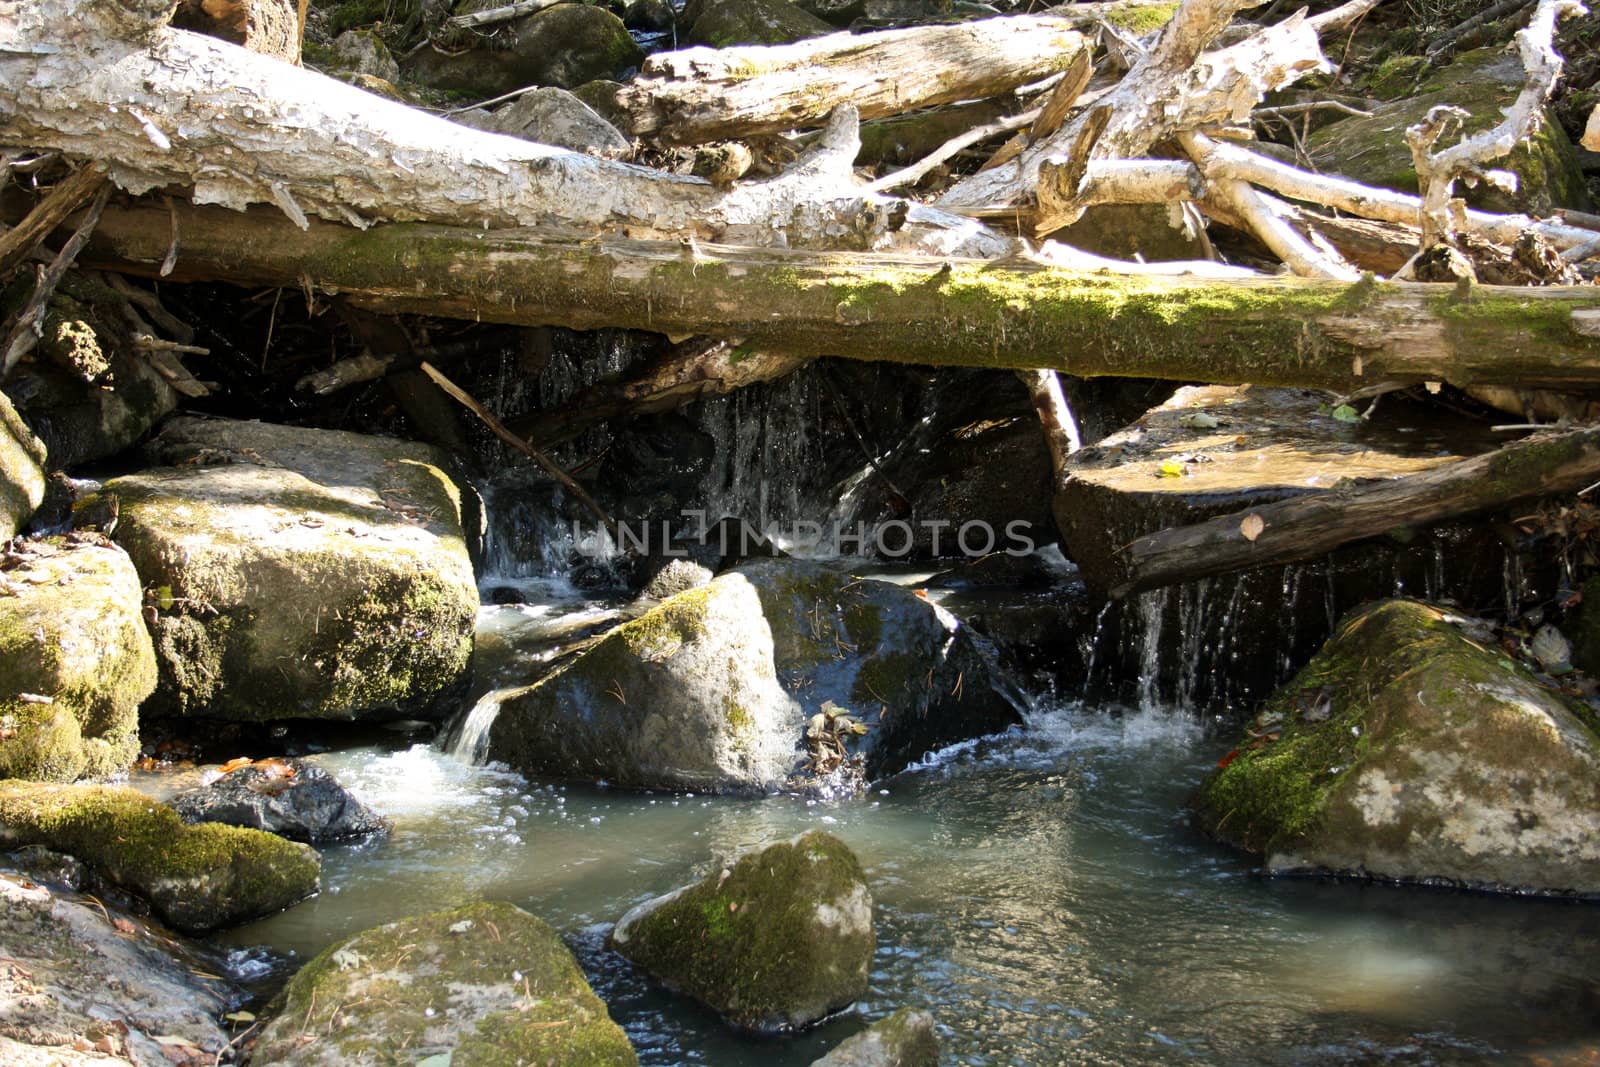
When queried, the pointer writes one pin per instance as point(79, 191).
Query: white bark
point(165, 107)
point(1174, 87)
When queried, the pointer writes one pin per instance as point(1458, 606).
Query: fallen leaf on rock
point(1251, 526)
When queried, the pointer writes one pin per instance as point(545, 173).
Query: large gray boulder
point(1408, 751)
point(905, 1039)
point(483, 985)
point(74, 989)
point(22, 458)
point(287, 797)
point(683, 697)
point(75, 660)
point(554, 117)
point(772, 942)
point(715, 688)
point(565, 46)
point(299, 573)
point(80, 421)
point(197, 878)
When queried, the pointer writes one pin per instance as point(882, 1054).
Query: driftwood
point(1020, 313)
point(17, 243)
point(166, 107)
point(1307, 526)
point(705, 94)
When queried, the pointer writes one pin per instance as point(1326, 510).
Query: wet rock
point(565, 46)
point(47, 865)
point(1484, 82)
point(774, 941)
point(554, 117)
point(478, 986)
point(22, 459)
point(299, 573)
point(837, 12)
point(655, 16)
point(1407, 751)
point(683, 697)
point(905, 667)
point(905, 1039)
point(363, 52)
point(997, 569)
point(712, 689)
point(725, 23)
point(74, 989)
point(197, 878)
point(678, 576)
point(75, 660)
point(289, 797)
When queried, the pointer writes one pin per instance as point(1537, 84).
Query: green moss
point(197, 877)
point(749, 941)
point(510, 988)
point(1396, 76)
point(1140, 19)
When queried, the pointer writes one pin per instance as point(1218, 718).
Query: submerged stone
point(75, 660)
point(775, 941)
point(197, 878)
point(905, 1039)
point(299, 573)
point(1407, 751)
point(485, 985)
point(287, 797)
point(69, 975)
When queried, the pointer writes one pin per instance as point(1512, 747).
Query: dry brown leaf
point(1251, 526)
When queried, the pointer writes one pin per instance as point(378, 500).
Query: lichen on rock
point(75, 661)
point(299, 573)
point(905, 1039)
point(197, 878)
point(1407, 751)
point(485, 985)
point(22, 458)
point(774, 941)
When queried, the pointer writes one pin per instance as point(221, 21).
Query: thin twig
point(25, 334)
point(913, 173)
point(68, 196)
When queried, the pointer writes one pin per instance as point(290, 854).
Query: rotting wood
point(1020, 314)
point(68, 195)
point(1307, 526)
point(24, 334)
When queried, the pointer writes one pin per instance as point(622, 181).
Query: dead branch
point(24, 334)
point(70, 194)
point(499, 14)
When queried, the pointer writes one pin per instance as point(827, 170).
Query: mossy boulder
point(1484, 82)
point(725, 23)
point(485, 985)
point(197, 878)
point(80, 422)
point(22, 459)
point(566, 46)
point(774, 941)
point(683, 697)
point(711, 689)
point(905, 1039)
point(1407, 751)
point(299, 573)
point(75, 661)
point(72, 974)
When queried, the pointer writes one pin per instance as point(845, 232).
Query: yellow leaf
point(1252, 526)
point(164, 598)
point(1170, 469)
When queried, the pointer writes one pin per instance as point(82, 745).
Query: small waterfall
point(471, 742)
point(1150, 611)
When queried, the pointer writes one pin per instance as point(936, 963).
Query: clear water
point(1038, 892)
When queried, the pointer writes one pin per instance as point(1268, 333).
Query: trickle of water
point(1150, 611)
point(472, 740)
point(1092, 648)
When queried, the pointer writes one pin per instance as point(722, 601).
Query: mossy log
point(1310, 525)
point(1015, 314)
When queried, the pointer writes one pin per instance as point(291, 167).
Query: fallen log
point(1307, 526)
point(707, 94)
point(1021, 313)
point(167, 107)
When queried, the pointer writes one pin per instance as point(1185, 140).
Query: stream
point(1038, 891)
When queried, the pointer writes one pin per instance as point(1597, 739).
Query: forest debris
point(25, 331)
point(70, 194)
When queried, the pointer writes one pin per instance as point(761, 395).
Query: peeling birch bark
point(165, 107)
